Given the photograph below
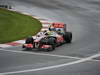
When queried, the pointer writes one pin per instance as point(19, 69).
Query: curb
point(45, 25)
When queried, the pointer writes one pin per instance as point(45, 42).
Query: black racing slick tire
point(29, 40)
point(23, 46)
point(68, 37)
point(52, 41)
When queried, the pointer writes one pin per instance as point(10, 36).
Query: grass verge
point(15, 26)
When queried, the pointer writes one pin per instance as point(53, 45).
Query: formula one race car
point(56, 35)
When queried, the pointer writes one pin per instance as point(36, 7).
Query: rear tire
point(68, 37)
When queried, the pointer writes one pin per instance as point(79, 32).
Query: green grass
point(16, 26)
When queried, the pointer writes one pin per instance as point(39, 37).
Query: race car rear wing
point(60, 25)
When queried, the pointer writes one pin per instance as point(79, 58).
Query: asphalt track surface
point(81, 57)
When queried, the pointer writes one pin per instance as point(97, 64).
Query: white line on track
point(43, 54)
point(52, 67)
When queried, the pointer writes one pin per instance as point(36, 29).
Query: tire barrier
point(6, 6)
